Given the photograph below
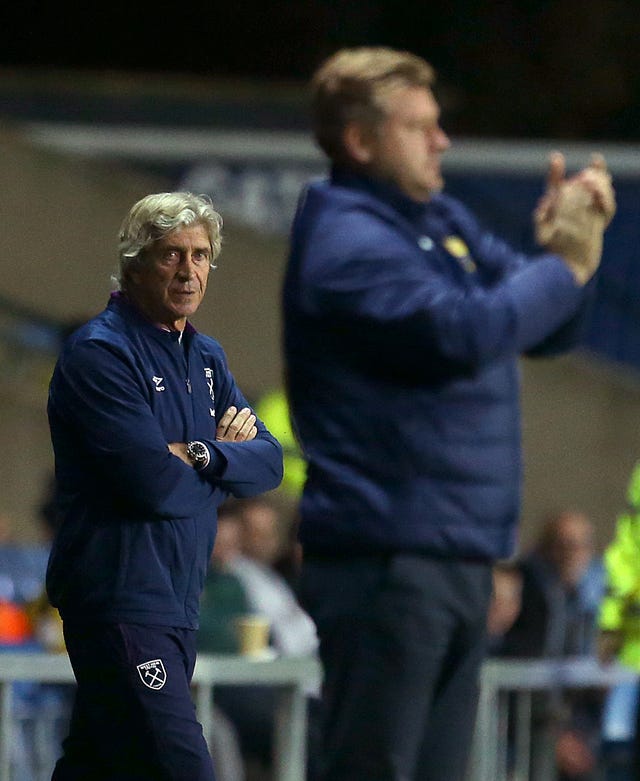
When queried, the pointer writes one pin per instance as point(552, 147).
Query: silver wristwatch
point(198, 453)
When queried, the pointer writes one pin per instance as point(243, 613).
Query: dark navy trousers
point(133, 717)
point(402, 638)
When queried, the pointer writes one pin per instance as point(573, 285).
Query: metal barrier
point(520, 678)
point(291, 675)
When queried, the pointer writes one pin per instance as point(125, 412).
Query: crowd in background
point(547, 604)
point(396, 613)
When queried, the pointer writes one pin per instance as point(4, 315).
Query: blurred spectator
point(15, 626)
point(223, 596)
point(262, 546)
point(619, 617)
point(242, 579)
point(223, 600)
point(273, 409)
point(40, 711)
point(46, 621)
point(559, 602)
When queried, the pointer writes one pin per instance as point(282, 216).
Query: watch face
point(197, 451)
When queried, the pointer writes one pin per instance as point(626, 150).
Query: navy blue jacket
point(138, 524)
point(403, 327)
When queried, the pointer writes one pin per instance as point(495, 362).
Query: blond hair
point(350, 87)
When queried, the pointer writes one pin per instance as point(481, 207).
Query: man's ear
point(358, 141)
point(130, 279)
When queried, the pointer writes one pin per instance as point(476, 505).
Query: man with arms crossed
point(404, 321)
point(150, 434)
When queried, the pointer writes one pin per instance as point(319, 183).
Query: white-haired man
point(150, 434)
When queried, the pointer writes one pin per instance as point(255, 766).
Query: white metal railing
point(292, 676)
point(520, 678)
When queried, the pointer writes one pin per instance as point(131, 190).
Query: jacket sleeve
point(382, 290)
point(102, 423)
point(500, 258)
point(242, 468)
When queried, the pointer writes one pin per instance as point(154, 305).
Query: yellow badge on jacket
point(459, 250)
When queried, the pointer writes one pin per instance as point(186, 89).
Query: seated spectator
point(559, 601)
point(293, 633)
point(561, 590)
point(242, 579)
point(223, 596)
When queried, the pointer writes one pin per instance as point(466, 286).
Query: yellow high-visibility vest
point(273, 411)
point(620, 608)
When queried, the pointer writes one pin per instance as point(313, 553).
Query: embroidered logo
point(153, 674)
point(157, 381)
point(208, 373)
point(456, 247)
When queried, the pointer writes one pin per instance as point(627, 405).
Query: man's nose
point(442, 140)
point(187, 265)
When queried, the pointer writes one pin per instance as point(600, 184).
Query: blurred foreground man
point(150, 435)
point(404, 321)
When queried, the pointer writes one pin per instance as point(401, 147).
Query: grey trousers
point(402, 638)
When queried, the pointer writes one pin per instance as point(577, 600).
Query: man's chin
point(187, 306)
point(436, 185)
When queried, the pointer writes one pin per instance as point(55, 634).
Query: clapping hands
point(572, 215)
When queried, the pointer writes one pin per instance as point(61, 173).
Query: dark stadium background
point(525, 68)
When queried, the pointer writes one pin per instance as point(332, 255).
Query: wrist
point(199, 455)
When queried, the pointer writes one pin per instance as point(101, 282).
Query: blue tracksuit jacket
point(138, 523)
point(403, 327)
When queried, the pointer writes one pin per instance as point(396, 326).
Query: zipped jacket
point(137, 523)
point(403, 325)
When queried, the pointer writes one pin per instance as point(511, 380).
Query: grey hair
point(157, 215)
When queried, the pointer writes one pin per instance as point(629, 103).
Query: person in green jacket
point(620, 609)
point(273, 410)
point(619, 618)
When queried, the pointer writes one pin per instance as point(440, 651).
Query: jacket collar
point(123, 304)
point(384, 191)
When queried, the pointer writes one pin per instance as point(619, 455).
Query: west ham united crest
point(153, 674)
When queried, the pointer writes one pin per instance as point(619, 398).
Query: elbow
point(275, 472)
point(268, 481)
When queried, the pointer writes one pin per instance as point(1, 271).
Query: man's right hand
point(236, 426)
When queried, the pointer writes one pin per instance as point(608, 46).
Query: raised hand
point(572, 215)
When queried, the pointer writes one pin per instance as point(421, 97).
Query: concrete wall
point(57, 251)
point(581, 439)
